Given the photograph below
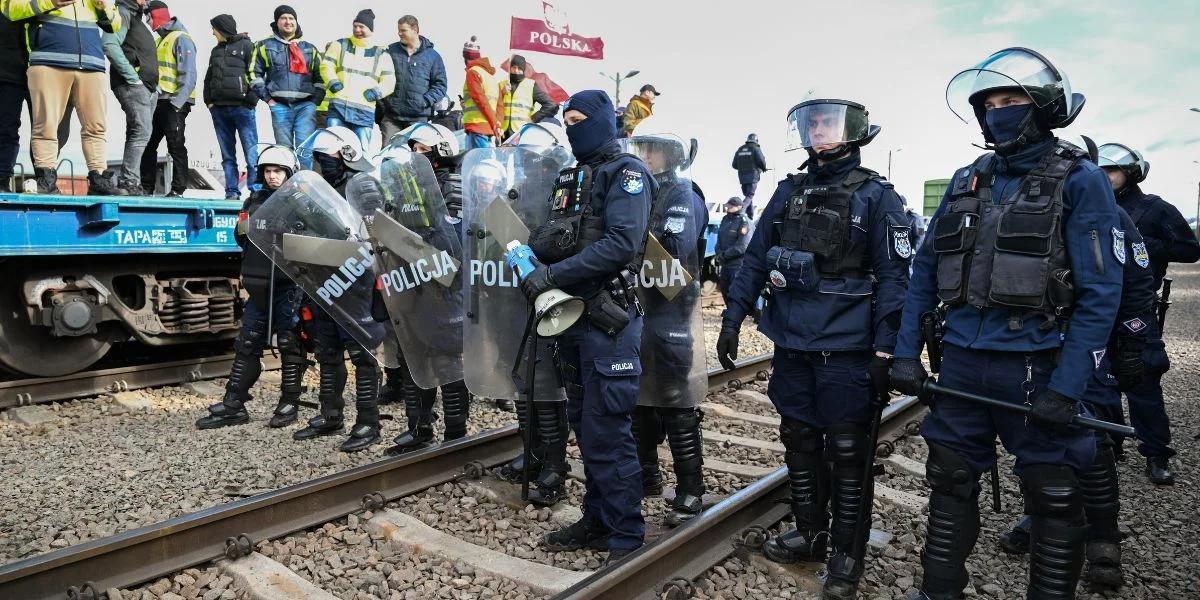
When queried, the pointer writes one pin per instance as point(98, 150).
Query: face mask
point(588, 136)
point(332, 168)
point(516, 78)
point(1005, 123)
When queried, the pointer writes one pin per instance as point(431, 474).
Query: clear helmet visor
point(817, 124)
point(1014, 68)
point(1116, 155)
point(535, 135)
point(332, 141)
point(662, 152)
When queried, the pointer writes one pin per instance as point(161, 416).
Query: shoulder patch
point(1141, 255)
point(901, 243)
point(631, 181)
point(1098, 356)
point(675, 225)
point(1118, 245)
point(1134, 325)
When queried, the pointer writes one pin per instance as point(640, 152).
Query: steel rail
point(40, 390)
point(689, 551)
point(155, 550)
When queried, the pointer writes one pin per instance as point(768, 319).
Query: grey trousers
point(138, 104)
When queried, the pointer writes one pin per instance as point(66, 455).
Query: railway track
point(40, 390)
point(232, 530)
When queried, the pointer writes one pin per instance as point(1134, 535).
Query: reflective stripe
point(168, 69)
point(73, 60)
point(472, 115)
point(518, 106)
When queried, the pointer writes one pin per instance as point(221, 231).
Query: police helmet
point(1127, 159)
point(438, 137)
point(824, 121)
point(540, 135)
point(487, 177)
point(1015, 68)
point(676, 156)
point(276, 156)
point(752, 138)
point(337, 141)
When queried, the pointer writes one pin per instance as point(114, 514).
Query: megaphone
point(554, 311)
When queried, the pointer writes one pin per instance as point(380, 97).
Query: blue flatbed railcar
point(81, 273)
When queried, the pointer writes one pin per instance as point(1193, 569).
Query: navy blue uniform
point(601, 371)
point(825, 339)
point(986, 354)
point(1168, 239)
point(733, 236)
point(749, 162)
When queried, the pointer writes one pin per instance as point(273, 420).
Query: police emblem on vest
point(1118, 245)
point(1010, 254)
point(1141, 255)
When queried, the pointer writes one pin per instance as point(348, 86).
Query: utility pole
point(617, 78)
point(897, 151)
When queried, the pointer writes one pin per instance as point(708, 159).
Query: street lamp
point(617, 79)
point(897, 151)
point(1194, 109)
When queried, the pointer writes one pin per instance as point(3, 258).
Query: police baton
point(931, 387)
point(1164, 303)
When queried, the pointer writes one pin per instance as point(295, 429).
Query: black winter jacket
point(226, 82)
point(14, 57)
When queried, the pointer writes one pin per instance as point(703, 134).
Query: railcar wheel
point(29, 350)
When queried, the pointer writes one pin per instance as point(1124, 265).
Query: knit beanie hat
point(471, 49)
point(225, 25)
point(366, 17)
point(284, 9)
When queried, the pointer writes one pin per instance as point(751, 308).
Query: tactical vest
point(573, 224)
point(817, 219)
point(1011, 254)
point(168, 69)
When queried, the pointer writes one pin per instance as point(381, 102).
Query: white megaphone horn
point(554, 310)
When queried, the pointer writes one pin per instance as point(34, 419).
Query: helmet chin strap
point(841, 151)
point(1030, 133)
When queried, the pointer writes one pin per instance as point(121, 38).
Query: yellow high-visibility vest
point(472, 115)
point(168, 69)
point(518, 106)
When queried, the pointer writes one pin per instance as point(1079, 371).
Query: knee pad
point(802, 442)
point(329, 353)
point(291, 350)
point(1052, 491)
point(251, 341)
point(846, 447)
point(361, 359)
point(948, 472)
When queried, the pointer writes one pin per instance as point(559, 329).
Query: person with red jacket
point(483, 102)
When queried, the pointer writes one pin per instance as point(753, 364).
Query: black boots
point(1016, 541)
point(549, 486)
point(101, 184)
point(1100, 490)
point(329, 422)
point(231, 411)
point(687, 453)
point(584, 533)
point(1158, 469)
point(808, 477)
point(1058, 533)
point(648, 433)
point(47, 180)
point(366, 395)
point(953, 525)
point(393, 381)
point(456, 403)
point(291, 386)
point(848, 450)
point(418, 404)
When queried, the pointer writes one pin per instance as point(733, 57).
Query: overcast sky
point(729, 69)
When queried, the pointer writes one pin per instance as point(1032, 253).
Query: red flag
point(543, 80)
point(537, 36)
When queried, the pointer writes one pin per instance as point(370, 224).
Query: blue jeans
point(475, 140)
point(362, 131)
point(229, 121)
point(292, 124)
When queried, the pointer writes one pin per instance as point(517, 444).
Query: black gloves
point(538, 281)
point(727, 343)
point(880, 383)
point(1128, 366)
point(908, 376)
point(1053, 410)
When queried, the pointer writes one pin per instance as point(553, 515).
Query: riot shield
point(506, 194)
point(419, 259)
point(674, 373)
point(314, 236)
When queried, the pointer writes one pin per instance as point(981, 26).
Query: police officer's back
point(733, 235)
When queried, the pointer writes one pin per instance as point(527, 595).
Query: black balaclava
point(519, 62)
point(598, 130)
point(1011, 128)
point(333, 169)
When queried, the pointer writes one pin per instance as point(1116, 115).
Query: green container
point(934, 190)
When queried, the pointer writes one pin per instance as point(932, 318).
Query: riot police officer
point(834, 246)
point(602, 204)
point(549, 468)
point(1168, 239)
point(437, 144)
point(271, 307)
point(674, 377)
point(733, 235)
point(1121, 369)
point(1022, 252)
point(340, 155)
